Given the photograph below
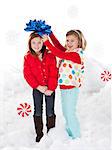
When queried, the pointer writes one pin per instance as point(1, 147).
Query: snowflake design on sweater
point(106, 76)
point(24, 109)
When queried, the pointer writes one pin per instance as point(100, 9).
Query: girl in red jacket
point(71, 72)
point(41, 74)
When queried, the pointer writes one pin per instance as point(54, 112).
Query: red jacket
point(38, 72)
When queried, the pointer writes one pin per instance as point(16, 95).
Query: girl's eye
point(33, 42)
point(72, 40)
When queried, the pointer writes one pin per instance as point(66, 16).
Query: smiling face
point(36, 44)
point(71, 42)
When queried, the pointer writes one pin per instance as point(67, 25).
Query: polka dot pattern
point(70, 65)
point(70, 76)
point(64, 65)
point(60, 81)
point(71, 73)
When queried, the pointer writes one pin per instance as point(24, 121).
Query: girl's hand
point(45, 37)
point(48, 92)
point(42, 89)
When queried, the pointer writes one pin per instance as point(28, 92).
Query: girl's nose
point(69, 44)
point(37, 47)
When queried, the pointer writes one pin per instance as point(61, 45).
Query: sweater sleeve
point(31, 80)
point(56, 42)
point(53, 73)
point(73, 56)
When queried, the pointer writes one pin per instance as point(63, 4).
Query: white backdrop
point(92, 17)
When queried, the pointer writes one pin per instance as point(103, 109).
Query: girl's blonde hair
point(82, 42)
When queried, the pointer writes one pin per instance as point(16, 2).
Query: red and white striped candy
point(106, 76)
point(24, 109)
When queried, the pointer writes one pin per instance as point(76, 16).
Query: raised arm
point(73, 56)
point(56, 42)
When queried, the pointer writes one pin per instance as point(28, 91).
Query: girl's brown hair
point(82, 42)
point(32, 36)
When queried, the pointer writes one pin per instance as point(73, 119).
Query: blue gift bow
point(39, 26)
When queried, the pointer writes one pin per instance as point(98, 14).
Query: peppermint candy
point(24, 109)
point(106, 76)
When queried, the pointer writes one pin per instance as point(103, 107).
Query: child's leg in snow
point(69, 101)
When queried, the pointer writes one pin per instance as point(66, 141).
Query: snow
point(94, 104)
point(93, 110)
